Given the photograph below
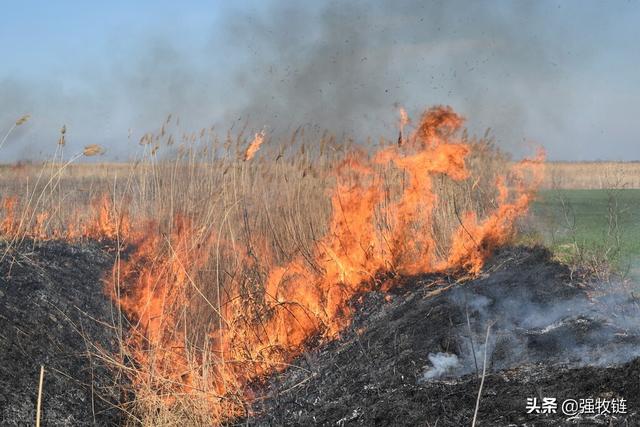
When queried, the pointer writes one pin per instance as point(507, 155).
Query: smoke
point(579, 330)
point(344, 66)
point(517, 67)
point(442, 363)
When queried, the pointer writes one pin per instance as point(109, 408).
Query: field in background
point(589, 212)
point(592, 175)
point(599, 227)
point(558, 175)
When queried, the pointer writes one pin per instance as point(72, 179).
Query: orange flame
point(254, 146)
point(303, 302)
point(8, 225)
point(103, 223)
point(476, 240)
point(369, 233)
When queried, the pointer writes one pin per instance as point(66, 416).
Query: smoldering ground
point(594, 328)
point(409, 359)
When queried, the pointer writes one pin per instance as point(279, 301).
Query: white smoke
point(442, 363)
point(581, 330)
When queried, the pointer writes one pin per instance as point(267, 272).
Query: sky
point(561, 74)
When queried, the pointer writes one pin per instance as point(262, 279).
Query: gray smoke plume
point(341, 66)
point(344, 66)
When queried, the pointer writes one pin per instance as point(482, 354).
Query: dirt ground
point(53, 312)
point(552, 336)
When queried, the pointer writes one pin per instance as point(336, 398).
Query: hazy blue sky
point(563, 74)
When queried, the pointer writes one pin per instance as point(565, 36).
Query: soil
point(54, 313)
point(551, 336)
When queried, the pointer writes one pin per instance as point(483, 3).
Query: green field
point(592, 225)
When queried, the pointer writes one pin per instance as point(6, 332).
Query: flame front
point(377, 228)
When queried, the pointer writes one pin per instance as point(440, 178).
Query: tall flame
point(373, 230)
point(300, 302)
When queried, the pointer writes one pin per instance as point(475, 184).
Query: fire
point(108, 223)
point(254, 146)
point(9, 225)
point(476, 239)
point(150, 288)
point(103, 223)
point(305, 303)
point(377, 227)
point(301, 303)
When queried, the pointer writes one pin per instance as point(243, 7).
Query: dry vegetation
point(203, 225)
point(592, 175)
point(281, 196)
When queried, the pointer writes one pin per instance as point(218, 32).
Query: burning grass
point(234, 257)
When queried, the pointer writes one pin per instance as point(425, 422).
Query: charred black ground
point(407, 359)
point(53, 311)
point(552, 336)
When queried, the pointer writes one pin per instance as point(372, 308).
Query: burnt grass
point(553, 335)
point(53, 312)
point(550, 337)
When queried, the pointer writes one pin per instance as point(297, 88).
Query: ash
point(53, 312)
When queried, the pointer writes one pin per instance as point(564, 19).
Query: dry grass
point(90, 178)
point(281, 196)
point(269, 207)
point(592, 175)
